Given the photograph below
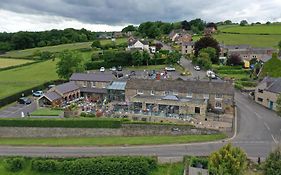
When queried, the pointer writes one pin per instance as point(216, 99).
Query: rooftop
point(66, 87)
point(95, 77)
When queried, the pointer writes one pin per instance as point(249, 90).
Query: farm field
point(251, 39)
point(7, 62)
point(273, 29)
point(19, 79)
point(59, 48)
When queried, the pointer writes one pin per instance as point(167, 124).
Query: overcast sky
point(113, 15)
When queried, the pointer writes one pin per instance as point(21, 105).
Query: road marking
point(266, 125)
point(258, 115)
point(274, 139)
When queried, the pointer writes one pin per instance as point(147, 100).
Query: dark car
point(24, 100)
point(119, 68)
point(133, 73)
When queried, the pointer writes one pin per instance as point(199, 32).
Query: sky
point(113, 15)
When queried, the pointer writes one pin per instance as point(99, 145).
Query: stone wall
point(126, 130)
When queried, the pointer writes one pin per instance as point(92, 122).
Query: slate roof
point(188, 44)
point(273, 84)
point(182, 86)
point(170, 97)
point(52, 96)
point(94, 77)
point(94, 90)
point(66, 87)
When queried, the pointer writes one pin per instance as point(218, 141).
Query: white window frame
point(152, 92)
point(206, 96)
point(218, 98)
point(218, 107)
point(166, 92)
point(93, 84)
point(139, 92)
point(189, 95)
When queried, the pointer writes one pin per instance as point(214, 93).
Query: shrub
point(196, 162)
point(14, 164)
point(44, 165)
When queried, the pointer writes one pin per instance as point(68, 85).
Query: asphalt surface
point(258, 133)
point(15, 110)
point(194, 74)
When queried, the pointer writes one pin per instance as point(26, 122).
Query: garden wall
point(125, 130)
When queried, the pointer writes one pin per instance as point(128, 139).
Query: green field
point(272, 68)
point(169, 169)
point(253, 40)
point(273, 29)
point(19, 79)
point(110, 141)
point(7, 62)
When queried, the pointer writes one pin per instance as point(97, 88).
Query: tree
point(146, 57)
point(211, 24)
point(278, 105)
point(227, 22)
point(204, 60)
point(185, 25)
point(45, 55)
point(129, 28)
point(137, 58)
point(228, 160)
point(272, 164)
point(212, 54)
point(268, 22)
point(70, 62)
point(234, 60)
point(279, 45)
point(205, 42)
point(243, 23)
point(96, 44)
point(173, 57)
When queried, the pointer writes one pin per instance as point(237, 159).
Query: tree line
point(25, 40)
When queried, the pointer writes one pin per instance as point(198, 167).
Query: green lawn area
point(117, 41)
point(150, 67)
point(25, 171)
point(272, 68)
point(169, 169)
point(46, 112)
point(7, 62)
point(253, 40)
point(18, 79)
point(274, 29)
point(110, 141)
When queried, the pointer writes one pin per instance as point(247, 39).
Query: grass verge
point(169, 169)
point(110, 141)
point(46, 112)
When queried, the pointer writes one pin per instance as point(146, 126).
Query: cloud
point(123, 12)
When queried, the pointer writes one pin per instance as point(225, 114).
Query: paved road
point(15, 110)
point(195, 74)
point(258, 133)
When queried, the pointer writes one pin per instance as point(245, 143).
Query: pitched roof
point(100, 77)
point(273, 84)
point(131, 43)
point(183, 86)
point(52, 96)
point(94, 90)
point(66, 87)
point(188, 44)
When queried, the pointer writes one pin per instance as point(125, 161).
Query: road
point(258, 133)
point(194, 74)
point(15, 110)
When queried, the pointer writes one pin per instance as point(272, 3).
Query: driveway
point(16, 109)
point(195, 74)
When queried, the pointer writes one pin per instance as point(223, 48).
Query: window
point(175, 93)
point(152, 92)
point(218, 105)
point(139, 92)
point(260, 99)
point(206, 96)
point(218, 96)
point(260, 90)
point(197, 110)
point(85, 84)
point(166, 93)
point(189, 95)
point(93, 84)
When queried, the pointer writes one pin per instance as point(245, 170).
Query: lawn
point(110, 141)
point(7, 62)
point(22, 78)
point(169, 169)
point(46, 112)
point(272, 68)
point(253, 40)
point(273, 29)
point(118, 41)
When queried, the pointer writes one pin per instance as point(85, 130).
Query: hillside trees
point(129, 28)
point(234, 60)
point(243, 23)
point(70, 62)
point(206, 42)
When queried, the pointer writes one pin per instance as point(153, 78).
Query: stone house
point(136, 44)
point(187, 48)
point(179, 97)
point(59, 95)
point(266, 93)
point(92, 85)
point(180, 36)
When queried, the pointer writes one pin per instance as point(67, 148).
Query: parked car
point(197, 68)
point(170, 68)
point(37, 93)
point(51, 86)
point(133, 73)
point(119, 68)
point(113, 68)
point(211, 74)
point(24, 100)
point(102, 69)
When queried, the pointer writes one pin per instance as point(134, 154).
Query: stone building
point(187, 48)
point(267, 92)
point(179, 97)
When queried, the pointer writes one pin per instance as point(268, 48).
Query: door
point(197, 110)
point(271, 105)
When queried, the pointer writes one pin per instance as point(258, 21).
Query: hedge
point(232, 71)
point(14, 164)
point(18, 66)
point(59, 123)
point(97, 166)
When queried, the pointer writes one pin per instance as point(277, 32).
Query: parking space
point(15, 110)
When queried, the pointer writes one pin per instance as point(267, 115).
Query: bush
point(44, 165)
point(14, 164)
point(273, 162)
point(66, 123)
point(197, 162)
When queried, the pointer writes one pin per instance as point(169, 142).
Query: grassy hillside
point(272, 68)
point(18, 79)
point(272, 29)
point(7, 62)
